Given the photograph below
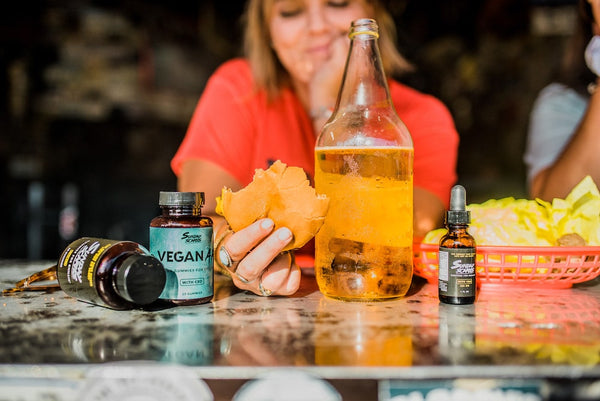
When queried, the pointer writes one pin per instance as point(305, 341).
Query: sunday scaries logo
point(191, 238)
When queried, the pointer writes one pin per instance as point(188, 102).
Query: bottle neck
point(364, 84)
point(364, 115)
point(181, 210)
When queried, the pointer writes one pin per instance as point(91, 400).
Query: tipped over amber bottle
point(115, 274)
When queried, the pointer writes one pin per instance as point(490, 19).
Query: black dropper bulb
point(458, 213)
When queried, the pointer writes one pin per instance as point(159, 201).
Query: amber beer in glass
point(364, 164)
point(364, 249)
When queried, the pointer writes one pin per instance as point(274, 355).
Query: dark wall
point(98, 94)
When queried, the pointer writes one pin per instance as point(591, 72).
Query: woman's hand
point(255, 259)
point(325, 81)
point(327, 76)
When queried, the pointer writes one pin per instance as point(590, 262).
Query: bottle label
point(187, 256)
point(457, 272)
point(77, 267)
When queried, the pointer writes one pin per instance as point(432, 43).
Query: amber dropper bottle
point(457, 280)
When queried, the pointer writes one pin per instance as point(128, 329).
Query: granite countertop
point(507, 333)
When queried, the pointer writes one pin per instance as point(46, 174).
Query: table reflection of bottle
point(112, 344)
point(360, 336)
point(456, 339)
point(190, 341)
point(182, 338)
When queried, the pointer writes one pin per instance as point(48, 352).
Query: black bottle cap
point(140, 279)
point(458, 213)
point(181, 198)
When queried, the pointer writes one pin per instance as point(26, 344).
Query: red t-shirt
point(236, 128)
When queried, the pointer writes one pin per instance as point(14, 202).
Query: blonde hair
point(270, 74)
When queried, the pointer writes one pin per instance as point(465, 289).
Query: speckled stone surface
point(508, 332)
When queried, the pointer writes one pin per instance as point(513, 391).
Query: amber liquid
point(364, 249)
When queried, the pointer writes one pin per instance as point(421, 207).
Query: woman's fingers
point(258, 264)
point(255, 262)
point(239, 244)
point(282, 278)
point(293, 281)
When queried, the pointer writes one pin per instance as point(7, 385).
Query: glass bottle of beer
point(364, 164)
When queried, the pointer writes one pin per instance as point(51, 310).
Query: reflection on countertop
point(507, 333)
point(505, 327)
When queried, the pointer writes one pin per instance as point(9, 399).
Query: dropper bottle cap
point(458, 213)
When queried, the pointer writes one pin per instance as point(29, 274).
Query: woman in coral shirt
point(270, 106)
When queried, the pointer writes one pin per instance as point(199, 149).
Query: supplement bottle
point(364, 164)
point(115, 274)
point(457, 275)
point(181, 238)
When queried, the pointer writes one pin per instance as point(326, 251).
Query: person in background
point(563, 141)
point(272, 103)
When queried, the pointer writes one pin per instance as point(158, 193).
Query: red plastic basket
point(525, 266)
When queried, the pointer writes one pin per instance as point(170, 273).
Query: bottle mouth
point(364, 26)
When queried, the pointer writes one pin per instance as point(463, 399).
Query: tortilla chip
point(282, 194)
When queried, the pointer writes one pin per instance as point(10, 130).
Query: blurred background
point(97, 95)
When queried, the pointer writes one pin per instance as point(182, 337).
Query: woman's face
point(303, 31)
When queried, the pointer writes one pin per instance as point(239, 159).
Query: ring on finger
point(241, 278)
point(225, 257)
point(223, 260)
point(264, 291)
point(292, 256)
